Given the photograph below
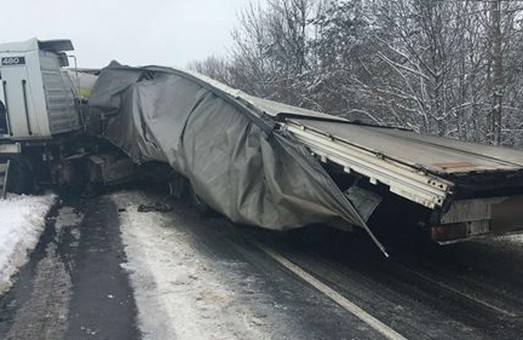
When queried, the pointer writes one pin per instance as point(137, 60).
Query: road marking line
point(335, 296)
point(455, 291)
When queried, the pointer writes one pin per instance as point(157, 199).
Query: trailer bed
point(440, 156)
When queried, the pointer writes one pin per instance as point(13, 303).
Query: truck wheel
point(20, 179)
point(200, 204)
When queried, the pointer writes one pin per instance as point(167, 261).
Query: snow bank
point(22, 220)
point(516, 238)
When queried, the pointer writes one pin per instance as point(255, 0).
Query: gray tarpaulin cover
point(223, 141)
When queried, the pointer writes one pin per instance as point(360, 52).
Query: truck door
point(15, 96)
point(5, 129)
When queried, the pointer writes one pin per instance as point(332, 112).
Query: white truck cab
point(37, 99)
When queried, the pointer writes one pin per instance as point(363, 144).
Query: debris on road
point(158, 207)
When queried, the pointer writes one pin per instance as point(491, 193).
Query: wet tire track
point(73, 286)
point(102, 305)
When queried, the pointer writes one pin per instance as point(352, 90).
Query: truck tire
point(20, 179)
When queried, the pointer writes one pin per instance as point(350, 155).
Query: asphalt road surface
point(308, 284)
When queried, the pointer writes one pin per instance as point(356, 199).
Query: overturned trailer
point(281, 167)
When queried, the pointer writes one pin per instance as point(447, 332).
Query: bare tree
point(497, 71)
point(215, 68)
point(451, 68)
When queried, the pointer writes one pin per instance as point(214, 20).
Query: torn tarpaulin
point(224, 142)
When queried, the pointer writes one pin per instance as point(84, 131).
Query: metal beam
point(403, 180)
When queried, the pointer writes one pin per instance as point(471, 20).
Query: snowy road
point(105, 270)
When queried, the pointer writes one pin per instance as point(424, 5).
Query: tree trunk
point(497, 71)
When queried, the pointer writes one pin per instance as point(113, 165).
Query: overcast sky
point(135, 32)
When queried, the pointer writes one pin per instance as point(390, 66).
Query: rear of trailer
point(467, 189)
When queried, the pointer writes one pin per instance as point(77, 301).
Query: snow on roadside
point(178, 294)
point(22, 220)
point(512, 238)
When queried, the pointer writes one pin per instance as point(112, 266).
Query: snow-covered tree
point(451, 68)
